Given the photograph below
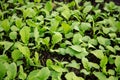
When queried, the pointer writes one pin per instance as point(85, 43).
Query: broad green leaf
point(49, 62)
point(73, 64)
point(100, 75)
point(84, 71)
point(85, 26)
point(111, 49)
point(104, 61)
point(12, 71)
point(56, 75)
point(86, 64)
point(22, 74)
point(3, 70)
point(77, 54)
point(46, 41)
point(103, 41)
point(7, 45)
point(3, 58)
point(66, 27)
point(106, 30)
point(16, 54)
point(94, 65)
point(29, 12)
point(25, 50)
point(66, 13)
point(93, 42)
point(13, 35)
point(77, 39)
point(111, 72)
point(112, 78)
point(54, 25)
point(98, 53)
point(31, 23)
point(99, 0)
point(57, 37)
point(42, 74)
point(5, 25)
point(18, 22)
point(117, 63)
point(49, 6)
point(58, 68)
point(72, 76)
point(76, 48)
point(38, 1)
point(25, 34)
point(87, 9)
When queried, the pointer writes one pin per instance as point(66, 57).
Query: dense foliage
point(53, 40)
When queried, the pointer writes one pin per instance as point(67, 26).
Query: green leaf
point(66, 27)
point(54, 25)
point(85, 26)
point(25, 34)
point(72, 76)
point(36, 34)
point(104, 61)
point(103, 41)
point(87, 9)
point(3, 58)
point(22, 74)
point(99, 0)
point(5, 25)
point(58, 68)
point(3, 70)
point(73, 64)
point(31, 23)
point(77, 54)
point(100, 75)
point(49, 62)
point(36, 59)
point(29, 12)
point(13, 35)
point(57, 37)
point(16, 54)
point(76, 48)
point(56, 75)
point(46, 41)
point(112, 78)
point(86, 64)
point(77, 39)
point(18, 22)
point(12, 71)
point(25, 50)
point(94, 65)
point(7, 45)
point(98, 53)
point(42, 74)
point(66, 13)
point(48, 6)
point(111, 49)
point(117, 63)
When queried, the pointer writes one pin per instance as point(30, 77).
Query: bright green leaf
point(42, 74)
point(98, 53)
point(25, 34)
point(57, 37)
point(5, 25)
